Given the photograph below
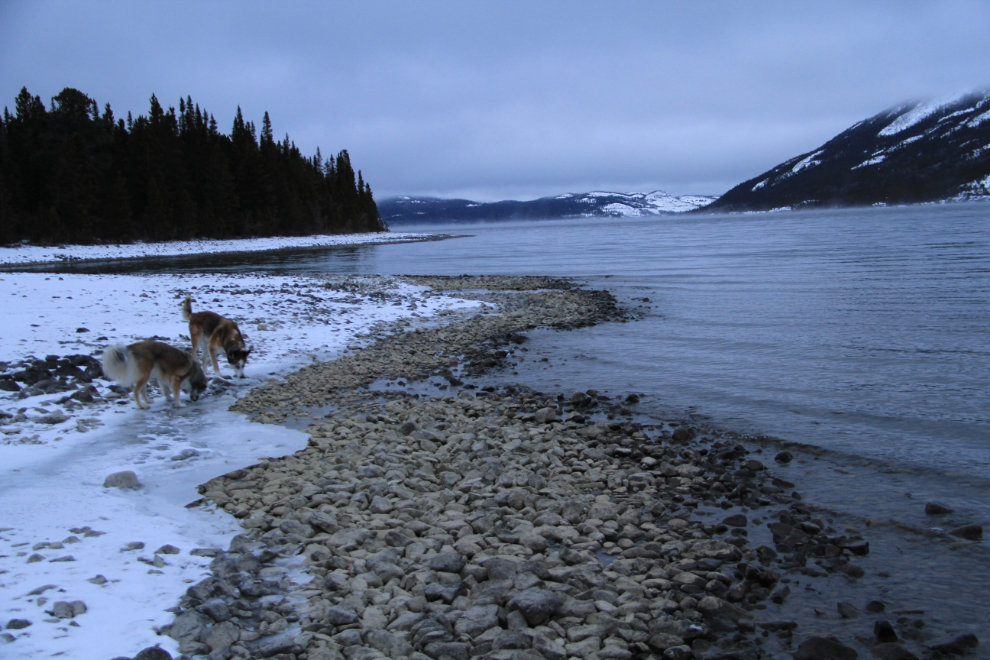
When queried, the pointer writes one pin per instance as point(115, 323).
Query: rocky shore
point(504, 523)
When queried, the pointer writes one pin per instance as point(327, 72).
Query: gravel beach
point(433, 517)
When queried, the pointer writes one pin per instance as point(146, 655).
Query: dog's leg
point(176, 384)
point(166, 390)
point(139, 391)
point(213, 356)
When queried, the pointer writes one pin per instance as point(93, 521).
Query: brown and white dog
point(136, 364)
point(210, 331)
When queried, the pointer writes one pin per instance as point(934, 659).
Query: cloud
point(510, 98)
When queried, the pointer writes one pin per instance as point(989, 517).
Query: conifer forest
point(73, 174)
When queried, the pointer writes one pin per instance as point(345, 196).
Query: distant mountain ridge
point(916, 152)
point(400, 210)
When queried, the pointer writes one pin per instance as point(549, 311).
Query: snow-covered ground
point(64, 537)
point(32, 253)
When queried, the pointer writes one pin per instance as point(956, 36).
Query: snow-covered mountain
point(916, 152)
point(399, 210)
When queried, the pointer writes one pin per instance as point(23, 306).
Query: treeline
point(73, 174)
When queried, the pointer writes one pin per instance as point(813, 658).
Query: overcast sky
point(498, 100)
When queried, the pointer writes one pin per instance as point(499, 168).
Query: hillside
point(400, 210)
point(917, 152)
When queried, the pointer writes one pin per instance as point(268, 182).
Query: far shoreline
point(67, 262)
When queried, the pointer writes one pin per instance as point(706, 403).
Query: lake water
point(860, 333)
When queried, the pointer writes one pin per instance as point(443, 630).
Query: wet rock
point(957, 645)
point(936, 509)
point(122, 479)
point(892, 651)
point(824, 648)
point(847, 611)
point(884, 632)
point(968, 532)
point(784, 457)
point(875, 607)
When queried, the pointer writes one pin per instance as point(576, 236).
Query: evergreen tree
point(74, 174)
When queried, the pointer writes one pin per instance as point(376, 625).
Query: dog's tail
point(119, 365)
point(187, 308)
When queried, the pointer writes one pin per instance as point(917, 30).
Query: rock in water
point(824, 648)
point(968, 532)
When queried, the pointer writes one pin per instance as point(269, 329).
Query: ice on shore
point(63, 536)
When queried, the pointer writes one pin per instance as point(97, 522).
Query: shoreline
point(404, 381)
point(35, 258)
point(439, 519)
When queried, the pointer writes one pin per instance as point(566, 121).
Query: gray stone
point(537, 605)
point(167, 550)
point(393, 646)
point(62, 610)
point(454, 650)
point(340, 616)
point(380, 505)
point(123, 479)
point(448, 562)
point(477, 620)
point(153, 653)
point(18, 624)
point(188, 626)
point(323, 522)
point(663, 641)
point(296, 528)
point(221, 636)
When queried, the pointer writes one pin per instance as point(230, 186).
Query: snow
point(31, 253)
point(979, 119)
point(760, 185)
point(919, 113)
point(907, 142)
point(51, 475)
point(620, 210)
point(807, 162)
point(872, 161)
